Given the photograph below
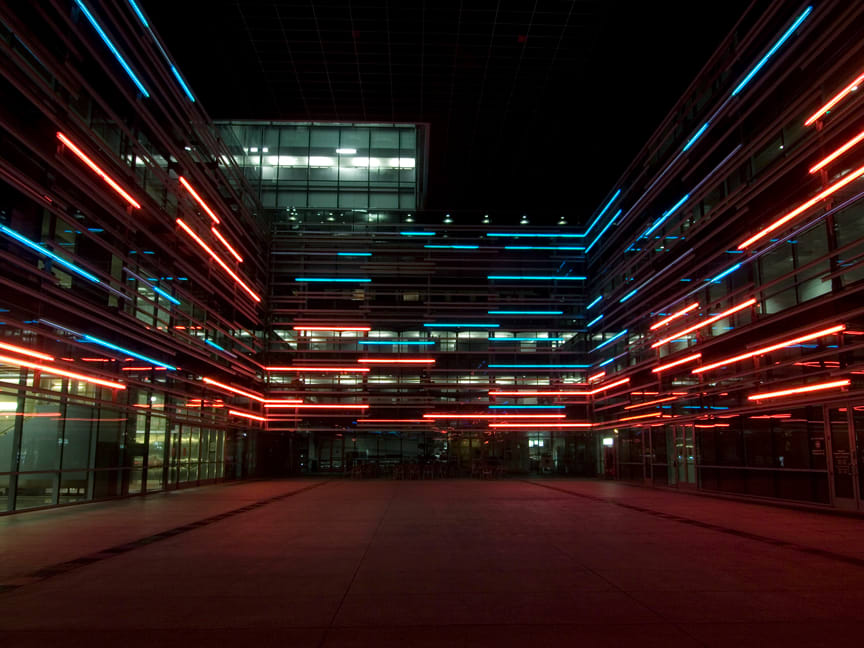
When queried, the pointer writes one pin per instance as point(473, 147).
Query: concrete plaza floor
point(442, 563)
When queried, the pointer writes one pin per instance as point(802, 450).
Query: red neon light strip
point(609, 386)
point(95, 167)
point(840, 151)
point(284, 401)
point(199, 200)
point(217, 259)
point(322, 369)
point(61, 372)
point(144, 369)
point(802, 338)
point(390, 361)
point(674, 316)
point(710, 320)
point(540, 393)
point(495, 416)
point(226, 244)
point(307, 406)
point(664, 367)
point(857, 173)
point(332, 328)
point(241, 392)
point(26, 351)
point(800, 390)
point(247, 415)
point(653, 402)
point(544, 425)
point(642, 416)
point(596, 376)
point(834, 101)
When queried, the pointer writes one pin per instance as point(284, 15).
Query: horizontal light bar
point(354, 254)
point(60, 372)
point(772, 51)
point(641, 416)
point(516, 312)
point(458, 325)
point(399, 342)
point(452, 247)
point(651, 402)
point(332, 280)
point(532, 407)
point(226, 244)
point(837, 98)
point(535, 278)
point(767, 349)
point(309, 406)
point(609, 386)
point(854, 175)
point(218, 260)
point(324, 327)
point(283, 401)
point(710, 320)
point(385, 420)
point(609, 341)
point(417, 233)
point(110, 45)
point(346, 151)
point(840, 151)
point(199, 199)
point(26, 351)
point(396, 361)
point(247, 415)
point(544, 247)
point(114, 347)
point(321, 369)
point(539, 366)
point(539, 393)
point(530, 235)
point(235, 390)
point(674, 316)
point(799, 390)
point(456, 415)
point(596, 376)
point(596, 301)
point(97, 170)
point(48, 253)
point(526, 339)
point(664, 367)
point(543, 425)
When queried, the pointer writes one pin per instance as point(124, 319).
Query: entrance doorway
point(844, 433)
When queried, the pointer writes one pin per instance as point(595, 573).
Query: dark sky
point(535, 106)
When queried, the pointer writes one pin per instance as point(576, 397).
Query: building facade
point(187, 301)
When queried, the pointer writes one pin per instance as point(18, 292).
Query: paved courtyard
point(430, 563)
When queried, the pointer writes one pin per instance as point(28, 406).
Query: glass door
point(685, 456)
point(843, 466)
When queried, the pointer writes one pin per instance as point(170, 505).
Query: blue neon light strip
point(609, 341)
point(166, 295)
point(139, 13)
point(417, 233)
point(594, 321)
point(504, 312)
point(182, 83)
point(214, 345)
point(111, 47)
point(45, 252)
point(531, 235)
point(724, 273)
point(331, 280)
point(666, 215)
point(628, 296)
point(696, 136)
point(594, 303)
point(506, 407)
point(602, 211)
point(450, 325)
point(354, 253)
point(453, 247)
point(537, 278)
point(412, 342)
point(603, 231)
point(543, 247)
point(538, 366)
point(606, 362)
point(108, 345)
point(526, 339)
point(773, 50)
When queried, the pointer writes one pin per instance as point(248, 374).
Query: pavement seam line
point(672, 517)
point(43, 573)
